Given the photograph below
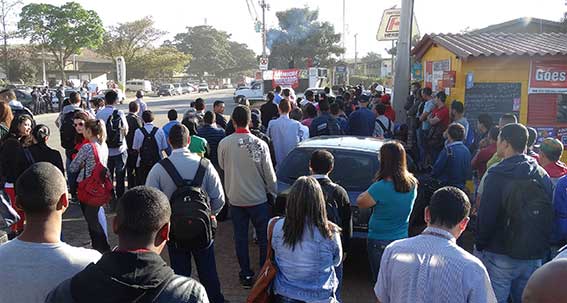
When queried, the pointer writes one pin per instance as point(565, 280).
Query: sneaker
point(247, 282)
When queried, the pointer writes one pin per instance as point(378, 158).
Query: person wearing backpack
point(336, 201)
point(150, 142)
point(134, 123)
point(325, 124)
point(84, 164)
point(384, 127)
point(116, 130)
point(515, 216)
point(67, 131)
point(196, 195)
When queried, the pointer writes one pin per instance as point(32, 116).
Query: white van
point(135, 85)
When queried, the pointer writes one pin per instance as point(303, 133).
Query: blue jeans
point(206, 268)
point(339, 273)
point(508, 276)
point(375, 251)
point(241, 216)
point(116, 168)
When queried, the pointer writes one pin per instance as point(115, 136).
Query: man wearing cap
point(361, 121)
point(549, 154)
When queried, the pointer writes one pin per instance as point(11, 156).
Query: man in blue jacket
point(361, 121)
point(514, 216)
point(453, 165)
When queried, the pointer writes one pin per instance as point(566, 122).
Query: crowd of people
point(169, 185)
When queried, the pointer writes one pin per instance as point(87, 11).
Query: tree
point(244, 59)
point(159, 62)
point(62, 31)
point(301, 38)
point(209, 48)
point(129, 39)
point(7, 8)
point(22, 63)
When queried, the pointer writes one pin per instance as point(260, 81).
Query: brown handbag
point(262, 292)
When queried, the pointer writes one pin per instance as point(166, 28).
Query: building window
point(562, 108)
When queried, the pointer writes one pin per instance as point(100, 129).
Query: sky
point(362, 16)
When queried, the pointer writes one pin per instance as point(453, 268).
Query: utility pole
point(264, 7)
point(355, 52)
point(344, 26)
point(402, 79)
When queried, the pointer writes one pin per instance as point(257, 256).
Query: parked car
point(24, 97)
point(356, 163)
point(167, 90)
point(178, 88)
point(121, 95)
point(254, 92)
point(187, 88)
point(135, 85)
point(203, 87)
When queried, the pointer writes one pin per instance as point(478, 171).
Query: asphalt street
point(357, 286)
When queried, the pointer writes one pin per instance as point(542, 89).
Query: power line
point(250, 11)
point(255, 11)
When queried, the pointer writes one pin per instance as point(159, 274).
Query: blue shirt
point(307, 273)
point(427, 108)
point(453, 165)
point(390, 217)
point(285, 134)
point(277, 98)
point(361, 122)
point(165, 130)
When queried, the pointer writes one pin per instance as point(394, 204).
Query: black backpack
point(529, 219)
point(329, 128)
point(388, 134)
point(134, 122)
point(114, 130)
point(333, 213)
point(192, 225)
point(149, 152)
point(67, 130)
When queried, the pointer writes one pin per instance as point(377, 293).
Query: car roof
point(344, 142)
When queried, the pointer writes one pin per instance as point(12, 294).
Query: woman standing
point(12, 160)
point(84, 164)
point(307, 247)
point(40, 152)
point(391, 196)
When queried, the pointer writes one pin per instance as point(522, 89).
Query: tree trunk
point(62, 70)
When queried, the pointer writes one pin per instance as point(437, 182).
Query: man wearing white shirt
point(150, 142)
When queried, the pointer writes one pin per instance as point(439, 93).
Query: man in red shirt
point(440, 113)
point(549, 154)
point(481, 158)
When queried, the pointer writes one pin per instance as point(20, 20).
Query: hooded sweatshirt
point(556, 170)
point(491, 233)
point(126, 277)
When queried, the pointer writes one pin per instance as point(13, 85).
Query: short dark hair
point(278, 89)
point(416, 84)
point(199, 104)
point(380, 108)
point(335, 108)
point(449, 206)
point(270, 96)
point(178, 136)
point(110, 97)
point(458, 106)
point(516, 135)
point(141, 212)
point(172, 115)
point(191, 124)
point(310, 110)
point(286, 92)
point(441, 96)
point(494, 132)
point(426, 91)
point(321, 162)
point(74, 97)
point(486, 120)
point(532, 136)
point(39, 188)
point(284, 106)
point(41, 132)
point(296, 114)
point(133, 107)
point(217, 103)
point(241, 116)
point(324, 105)
point(456, 131)
point(148, 116)
point(507, 119)
point(308, 94)
point(209, 117)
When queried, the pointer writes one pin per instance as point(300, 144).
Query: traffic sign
point(263, 63)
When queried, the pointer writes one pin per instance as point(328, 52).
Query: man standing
point(150, 142)
point(439, 120)
point(418, 269)
point(249, 177)
point(188, 165)
point(269, 110)
point(325, 124)
point(134, 123)
point(453, 165)
point(428, 106)
point(65, 121)
point(284, 132)
point(550, 151)
point(213, 135)
point(277, 95)
point(361, 121)
point(35, 262)
point(172, 117)
point(134, 271)
point(200, 110)
point(116, 130)
point(515, 216)
point(384, 127)
point(142, 106)
point(218, 108)
point(458, 115)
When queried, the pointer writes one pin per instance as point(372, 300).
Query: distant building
point(524, 25)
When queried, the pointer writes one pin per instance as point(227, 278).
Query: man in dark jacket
point(453, 165)
point(325, 124)
point(213, 135)
point(336, 198)
point(510, 251)
point(134, 122)
point(134, 272)
point(361, 122)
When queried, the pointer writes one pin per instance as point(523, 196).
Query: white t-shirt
point(29, 271)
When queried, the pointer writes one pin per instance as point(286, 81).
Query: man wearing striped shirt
point(431, 267)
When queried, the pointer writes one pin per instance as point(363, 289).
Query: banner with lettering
point(548, 77)
point(286, 78)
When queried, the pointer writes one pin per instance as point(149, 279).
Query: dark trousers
point(96, 231)
point(142, 173)
point(131, 169)
point(339, 273)
point(206, 268)
point(116, 168)
point(241, 216)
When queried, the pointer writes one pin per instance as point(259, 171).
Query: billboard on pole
point(121, 71)
point(390, 25)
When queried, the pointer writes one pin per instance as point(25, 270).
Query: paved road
point(357, 287)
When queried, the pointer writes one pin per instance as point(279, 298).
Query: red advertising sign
point(449, 79)
point(286, 78)
point(548, 77)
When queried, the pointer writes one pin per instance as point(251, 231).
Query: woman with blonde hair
point(307, 247)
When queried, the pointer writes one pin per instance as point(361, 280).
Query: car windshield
point(346, 162)
point(167, 86)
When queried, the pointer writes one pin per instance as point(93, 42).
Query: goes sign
point(548, 77)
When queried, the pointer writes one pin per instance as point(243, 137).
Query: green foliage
point(301, 36)
point(62, 31)
point(130, 39)
point(244, 59)
point(158, 63)
point(21, 64)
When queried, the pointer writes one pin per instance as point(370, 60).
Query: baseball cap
point(552, 148)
